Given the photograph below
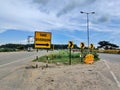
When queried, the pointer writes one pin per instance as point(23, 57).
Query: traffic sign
point(42, 39)
point(89, 59)
point(82, 45)
point(91, 46)
point(70, 44)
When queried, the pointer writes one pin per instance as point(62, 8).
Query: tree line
point(15, 47)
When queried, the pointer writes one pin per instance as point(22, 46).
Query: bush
point(7, 50)
point(63, 57)
point(96, 56)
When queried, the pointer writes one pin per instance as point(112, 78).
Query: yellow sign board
point(42, 39)
point(82, 45)
point(89, 59)
point(70, 44)
point(91, 46)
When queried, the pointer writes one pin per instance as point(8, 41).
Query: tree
point(14, 46)
point(107, 45)
point(62, 46)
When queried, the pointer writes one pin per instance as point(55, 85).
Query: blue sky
point(21, 18)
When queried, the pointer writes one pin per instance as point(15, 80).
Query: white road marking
point(106, 64)
point(113, 75)
point(115, 78)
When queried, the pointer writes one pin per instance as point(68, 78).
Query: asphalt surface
point(10, 61)
point(111, 57)
point(112, 62)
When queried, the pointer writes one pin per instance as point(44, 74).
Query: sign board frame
point(42, 40)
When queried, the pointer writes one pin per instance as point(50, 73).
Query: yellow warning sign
point(70, 44)
point(42, 40)
point(89, 59)
point(82, 45)
point(91, 46)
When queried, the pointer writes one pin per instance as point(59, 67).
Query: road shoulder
point(75, 77)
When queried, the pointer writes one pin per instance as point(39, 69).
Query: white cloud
point(75, 4)
point(32, 15)
point(2, 30)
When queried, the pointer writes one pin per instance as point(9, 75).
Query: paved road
point(112, 62)
point(111, 57)
point(10, 61)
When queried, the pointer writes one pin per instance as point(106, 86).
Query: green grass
point(7, 50)
point(63, 57)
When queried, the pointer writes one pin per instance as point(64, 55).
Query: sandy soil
point(60, 77)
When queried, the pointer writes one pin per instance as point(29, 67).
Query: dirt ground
point(59, 77)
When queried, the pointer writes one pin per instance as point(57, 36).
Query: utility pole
point(28, 39)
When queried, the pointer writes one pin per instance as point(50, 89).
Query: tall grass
point(63, 57)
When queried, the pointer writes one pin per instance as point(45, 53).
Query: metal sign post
point(37, 55)
point(81, 55)
point(82, 46)
point(91, 47)
point(70, 46)
point(42, 41)
point(70, 57)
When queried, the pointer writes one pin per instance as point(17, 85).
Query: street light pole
point(87, 13)
point(88, 28)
